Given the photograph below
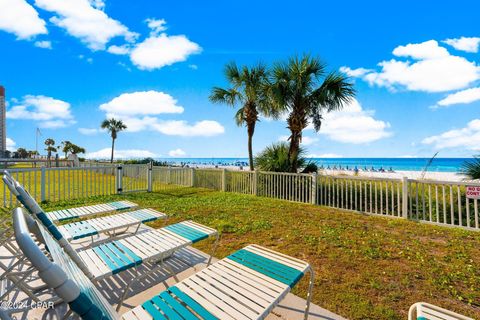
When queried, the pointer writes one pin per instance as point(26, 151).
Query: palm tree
point(66, 145)
point(302, 88)
point(50, 143)
point(114, 127)
point(248, 91)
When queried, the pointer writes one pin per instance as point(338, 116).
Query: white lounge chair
point(112, 257)
point(427, 311)
point(245, 285)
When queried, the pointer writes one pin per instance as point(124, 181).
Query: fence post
point(192, 177)
point(119, 178)
point(224, 180)
point(255, 182)
point(313, 194)
point(405, 197)
point(42, 184)
point(149, 177)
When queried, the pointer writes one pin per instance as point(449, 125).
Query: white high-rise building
point(3, 124)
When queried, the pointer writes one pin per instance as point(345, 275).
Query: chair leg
point(138, 227)
point(309, 294)
point(215, 245)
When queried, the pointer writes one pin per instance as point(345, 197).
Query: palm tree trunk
point(293, 150)
point(251, 130)
point(113, 146)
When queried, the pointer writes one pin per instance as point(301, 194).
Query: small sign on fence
point(473, 192)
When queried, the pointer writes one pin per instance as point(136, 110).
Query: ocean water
point(402, 164)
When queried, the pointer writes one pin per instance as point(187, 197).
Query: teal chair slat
point(153, 311)
point(137, 260)
point(109, 257)
point(121, 259)
point(80, 229)
point(187, 232)
point(168, 310)
point(178, 307)
point(142, 216)
point(267, 263)
point(268, 267)
point(192, 304)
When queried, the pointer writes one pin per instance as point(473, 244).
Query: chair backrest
point(427, 311)
point(62, 275)
point(38, 214)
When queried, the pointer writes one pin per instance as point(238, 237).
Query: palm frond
point(226, 96)
point(471, 168)
point(275, 158)
point(240, 117)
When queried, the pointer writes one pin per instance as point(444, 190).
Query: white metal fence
point(437, 202)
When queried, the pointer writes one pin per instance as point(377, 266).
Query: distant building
point(3, 124)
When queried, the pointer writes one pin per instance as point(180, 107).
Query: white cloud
point(467, 44)
point(204, 128)
point(193, 66)
point(138, 110)
point(430, 68)
point(324, 155)
point(468, 137)
point(156, 25)
point(460, 97)
point(359, 72)
point(43, 44)
point(421, 51)
point(85, 20)
point(354, 125)
point(11, 144)
point(162, 50)
point(306, 140)
point(141, 103)
point(119, 50)
point(120, 154)
point(20, 18)
point(88, 131)
point(54, 124)
point(177, 153)
point(407, 156)
point(50, 112)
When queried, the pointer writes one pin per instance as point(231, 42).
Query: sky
point(67, 65)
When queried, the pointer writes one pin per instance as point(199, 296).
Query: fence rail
point(437, 202)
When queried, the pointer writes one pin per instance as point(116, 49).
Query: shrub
point(274, 158)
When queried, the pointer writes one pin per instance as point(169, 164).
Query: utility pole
point(37, 133)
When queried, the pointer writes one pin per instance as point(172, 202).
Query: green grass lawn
point(366, 267)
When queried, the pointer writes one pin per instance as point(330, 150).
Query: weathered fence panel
point(167, 178)
point(54, 184)
point(240, 182)
point(442, 202)
point(285, 186)
point(208, 178)
point(134, 177)
point(368, 195)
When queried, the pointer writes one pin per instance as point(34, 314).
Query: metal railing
point(442, 202)
point(368, 195)
point(437, 202)
point(54, 184)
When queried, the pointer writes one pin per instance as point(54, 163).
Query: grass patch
point(366, 267)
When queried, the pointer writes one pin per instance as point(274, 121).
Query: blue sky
point(67, 65)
